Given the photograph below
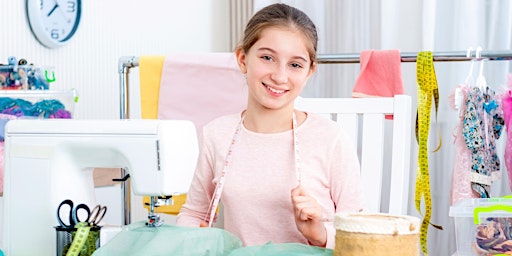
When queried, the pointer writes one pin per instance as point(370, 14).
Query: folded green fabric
point(138, 239)
point(287, 249)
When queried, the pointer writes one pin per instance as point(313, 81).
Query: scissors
point(96, 215)
point(73, 213)
point(92, 217)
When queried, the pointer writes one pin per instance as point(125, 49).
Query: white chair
point(364, 119)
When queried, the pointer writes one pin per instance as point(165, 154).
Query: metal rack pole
point(132, 61)
point(124, 65)
point(411, 56)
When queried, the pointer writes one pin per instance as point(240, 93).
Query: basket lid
point(377, 223)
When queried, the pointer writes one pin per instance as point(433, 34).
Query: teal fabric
point(288, 249)
point(138, 239)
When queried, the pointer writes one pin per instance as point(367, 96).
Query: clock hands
point(63, 13)
point(53, 9)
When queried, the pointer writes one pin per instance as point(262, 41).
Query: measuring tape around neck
point(214, 203)
point(427, 89)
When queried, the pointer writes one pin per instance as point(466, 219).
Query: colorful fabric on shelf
point(43, 109)
point(494, 236)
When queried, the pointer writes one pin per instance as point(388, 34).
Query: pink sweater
point(257, 194)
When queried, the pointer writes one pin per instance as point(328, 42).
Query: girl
point(281, 174)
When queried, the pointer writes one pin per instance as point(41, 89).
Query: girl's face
point(277, 68)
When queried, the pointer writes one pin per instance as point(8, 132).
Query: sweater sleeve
point(346, 176)
point(345, 182)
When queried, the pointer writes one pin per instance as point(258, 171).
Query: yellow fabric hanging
point(427, 89)
point(150, 74)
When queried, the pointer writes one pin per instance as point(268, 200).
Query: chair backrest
point(365, 120)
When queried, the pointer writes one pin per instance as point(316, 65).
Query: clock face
point(54, 22)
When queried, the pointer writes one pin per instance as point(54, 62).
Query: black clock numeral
point(54, 34)
point(41, 4)
point(71, 7)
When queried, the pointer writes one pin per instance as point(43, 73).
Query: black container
point(66, 235)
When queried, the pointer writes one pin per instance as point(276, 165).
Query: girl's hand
point(308, 217)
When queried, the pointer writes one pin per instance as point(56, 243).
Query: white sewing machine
point(47, 161)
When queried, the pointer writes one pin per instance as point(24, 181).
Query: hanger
point(458, 97)
point(480, 80)
point(469, 78)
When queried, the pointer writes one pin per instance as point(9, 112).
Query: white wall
point(109, 30)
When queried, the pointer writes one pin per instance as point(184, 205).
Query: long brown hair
point(280, 15)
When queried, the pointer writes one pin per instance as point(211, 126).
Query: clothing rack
point(125, 63)
point(411, 56)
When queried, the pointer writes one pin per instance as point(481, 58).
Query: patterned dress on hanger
point(461, 175)
point(482, 126)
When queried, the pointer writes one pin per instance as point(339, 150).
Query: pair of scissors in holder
point(73, 213)
point(96, 215)
point(91, 217)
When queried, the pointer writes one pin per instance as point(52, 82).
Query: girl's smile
point(273, 91)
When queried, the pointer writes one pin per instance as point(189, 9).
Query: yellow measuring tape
point(427, 89)
point(80, 238)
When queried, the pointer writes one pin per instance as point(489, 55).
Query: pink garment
point(256, 199)
point(507, 114)
point(200, 87)
point(380, 74)
point(461, 174)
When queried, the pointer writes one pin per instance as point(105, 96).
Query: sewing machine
point(47, 161)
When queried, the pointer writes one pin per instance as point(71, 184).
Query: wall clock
point(54, 22)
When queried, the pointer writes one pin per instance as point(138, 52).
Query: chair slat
point(401, 156)
point(349, 123)
point(372, 153)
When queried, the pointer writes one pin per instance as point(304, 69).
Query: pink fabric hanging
point(200, 87)
point(507, 114)
point(380, 75)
